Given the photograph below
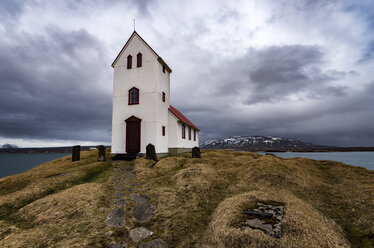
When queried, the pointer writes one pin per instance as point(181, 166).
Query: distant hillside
point(260, 143)
point(6, 146)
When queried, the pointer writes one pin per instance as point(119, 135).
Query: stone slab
point(120, 245)
point(116, 218)
point(143, 213)
point(121, 203)
point(118, 194)
point(138, 199)
point(156, 243)
point(139, 233)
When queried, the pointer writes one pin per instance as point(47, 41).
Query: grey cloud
point(142, 6)
point(273, 73)
point(269, 75)
point(50, 87)
point(11, 8)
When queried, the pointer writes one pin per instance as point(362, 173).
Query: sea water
point(14, 163)
point(362, 159)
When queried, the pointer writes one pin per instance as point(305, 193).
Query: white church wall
point(186, 143)
point(172, 130)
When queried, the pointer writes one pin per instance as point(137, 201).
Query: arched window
point(189, 133)
point(129, 62)
point(133, 96)
point(183, 131)
point(139, 60)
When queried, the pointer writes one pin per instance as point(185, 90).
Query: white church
point(142, 113)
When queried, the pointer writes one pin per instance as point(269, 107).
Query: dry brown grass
point(57, 204)
point(199, 202)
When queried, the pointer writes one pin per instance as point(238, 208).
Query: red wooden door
point(133, 135)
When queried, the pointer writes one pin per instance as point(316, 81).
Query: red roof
point(181, 117)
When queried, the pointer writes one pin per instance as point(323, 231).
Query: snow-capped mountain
point(7, 146)
point(259, 143)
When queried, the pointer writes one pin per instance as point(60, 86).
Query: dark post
point(76, 156)
point(151, 152)
point(196, 152)
point(102, 155)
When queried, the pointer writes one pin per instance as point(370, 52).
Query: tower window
point(129, 62)
point(139, 59)
point(194, 135)
point(163, 130)
point(163, 96)
point(133, 96)
point(183, 131)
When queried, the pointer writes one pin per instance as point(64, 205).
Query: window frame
point(189, 133)
point(194, 135)
point(129, 62)
point(137, 96)
point(139, 60)
point(163, 130)
point(183, 131)
point(163, 96)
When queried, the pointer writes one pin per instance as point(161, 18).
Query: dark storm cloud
point(50, 87)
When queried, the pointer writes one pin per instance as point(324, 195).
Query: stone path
point(124, 197)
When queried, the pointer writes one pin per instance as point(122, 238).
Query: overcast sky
point(300, 69)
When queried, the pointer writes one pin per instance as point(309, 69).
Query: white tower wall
point(151, 82)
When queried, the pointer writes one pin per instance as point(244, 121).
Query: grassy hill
point(199, 202)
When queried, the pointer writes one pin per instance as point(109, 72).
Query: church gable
point(135, 37)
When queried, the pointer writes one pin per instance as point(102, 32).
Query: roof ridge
point(181, 117)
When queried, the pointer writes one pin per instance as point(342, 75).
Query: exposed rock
point(151, 152)
point(120, 185)
point(121, 203)
point(267, 218)
point(156, 243)
point(139, 233)
point(196, 152)
point(138, 199)
point(143, 213)
point(135, 184)
point(118, 194)
point(130, 176)
point(259, 224)
point(120, 245)
point(116, 218)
